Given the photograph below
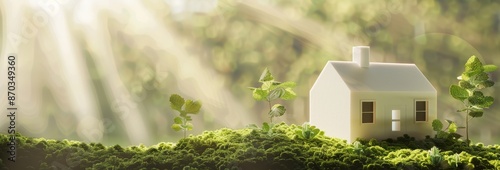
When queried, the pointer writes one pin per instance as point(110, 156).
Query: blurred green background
point(103, 71)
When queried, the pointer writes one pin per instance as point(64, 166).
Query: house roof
point(383, 77)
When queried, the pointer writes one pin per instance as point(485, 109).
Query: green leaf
point(442, 134)
point(485, 84)
point(473, 64)
point(458, 92)
point(177, 127)
point(477, 94)
point(176, 102)
point(315, 131)
point(488, 101)
point(455, 135)
point(476, 113)
point(252, 126)
point(452, 128)
point(259, 94)
point(464, 77)
point(437, 125)
point(276, 93)
point(434, 152)
point(470, 76)
point(276, 83)
point(476, 100)
point(480, 77)
point(465, 84)
point(266, 76)
point(305, 126)
point(288, 84)
point(298, 132)
point(289, 94)
point(266, 127)
point(188, 126)
point(192, 106)
point(277, 110)
point(307, 134)
point(489, 68)
point(178, 120)
point(267, 85)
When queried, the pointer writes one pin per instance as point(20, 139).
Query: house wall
point(385, 103)
point(328, 99)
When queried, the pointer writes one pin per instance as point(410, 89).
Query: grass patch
point(251, 149)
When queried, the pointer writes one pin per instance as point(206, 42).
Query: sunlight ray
point(74, 77)
point(195, 78)
point(16, 35)
point(99, 43)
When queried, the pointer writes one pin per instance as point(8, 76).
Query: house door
point(396, 116)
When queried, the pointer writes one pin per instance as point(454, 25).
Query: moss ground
point(250, 149)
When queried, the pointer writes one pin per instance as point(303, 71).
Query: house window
point(420, 111)
point(367, 111)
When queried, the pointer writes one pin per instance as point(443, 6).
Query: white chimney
point(361, 55)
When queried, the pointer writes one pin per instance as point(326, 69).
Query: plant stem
point(270, 116)
point(467, 126)
point(184, 125)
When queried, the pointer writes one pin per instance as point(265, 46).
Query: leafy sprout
point(185, 108)
point(455, 160)
point(449, 132)
point(357, 147)
point(435, 156)
point(308, 132)
point(472, 80)
point(271, 90)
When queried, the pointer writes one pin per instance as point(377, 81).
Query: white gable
point(382, 77)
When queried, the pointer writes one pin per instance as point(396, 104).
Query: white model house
point(363, 99)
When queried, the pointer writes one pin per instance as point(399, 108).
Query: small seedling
point(266, 128)
point(185, 107)
point(455, 160)
point(357, 147)
point(271, 90)
point(449, 132)
point(435, 156)
point(473, 79)
point(307, 131)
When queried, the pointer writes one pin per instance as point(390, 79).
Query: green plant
point(473, 79)
point(266, 128)
point(357, 147)
point(435, 156)
point(185, 107)
point(271, 90)
point(448, 133)
point(307, 131)
point(455, 160)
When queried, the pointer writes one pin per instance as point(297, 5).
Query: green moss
point(251, 149)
